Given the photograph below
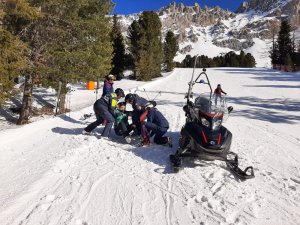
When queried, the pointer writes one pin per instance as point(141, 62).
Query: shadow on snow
point(274, 110)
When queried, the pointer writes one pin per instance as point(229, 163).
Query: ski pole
point(146, 94)
point(159, 93)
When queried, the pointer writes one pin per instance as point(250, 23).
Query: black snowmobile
point(203, 136)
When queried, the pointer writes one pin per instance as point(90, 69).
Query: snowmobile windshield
point(212, 113)
point(213, 105)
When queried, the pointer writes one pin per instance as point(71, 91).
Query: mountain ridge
point(250, 28)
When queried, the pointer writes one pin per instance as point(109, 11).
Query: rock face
point(179, 17)
point(222, 27)
point(278, 8)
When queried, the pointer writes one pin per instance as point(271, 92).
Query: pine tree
point(13, 61)
point(274, 54)
point(134, 36)
point(16, 15)
point(288, 61)
point(284, 41)
point(250, 60)
point(170, 49)
point(71, 42)
point(150, 46)
point(118, 60)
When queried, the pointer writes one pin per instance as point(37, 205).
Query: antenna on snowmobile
point(191, 83)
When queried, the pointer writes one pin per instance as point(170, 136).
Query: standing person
point(104, 110)
point(108, 84)
point(156, 125)
point(138, 104)
point(218, 93)
point(122, 127)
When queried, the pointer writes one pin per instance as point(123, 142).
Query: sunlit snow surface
point(51, 174)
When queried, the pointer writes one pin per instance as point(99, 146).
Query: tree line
point(148, 51)
point(52, 42)
point(285, 51)
point(230, 59)
point(55, 42)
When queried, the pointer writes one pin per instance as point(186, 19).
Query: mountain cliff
point(214, 31)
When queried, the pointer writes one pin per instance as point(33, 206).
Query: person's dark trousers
point(136, 120)
point(158, 132)
point(102, 114)
point(108, 117)
point(123, 129)
point(93, 125)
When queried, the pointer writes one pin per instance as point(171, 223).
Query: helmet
point(219, 85)
point(129, 97)
point(119, 92)
point(149, 105)
point(111, 77)
point(120, 103)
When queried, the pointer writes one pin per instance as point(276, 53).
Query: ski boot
point(84, 132)
point(128, 139)
point(144, 143)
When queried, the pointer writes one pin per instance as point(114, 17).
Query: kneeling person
point(156, 125)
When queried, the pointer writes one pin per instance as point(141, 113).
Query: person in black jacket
point(104, 110)
point(138, 105)
point(156, 124)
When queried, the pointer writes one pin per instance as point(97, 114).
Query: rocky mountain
point(277, 8)
point(214, 31)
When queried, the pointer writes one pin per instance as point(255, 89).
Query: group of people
point(147, 121)
point(110, 110)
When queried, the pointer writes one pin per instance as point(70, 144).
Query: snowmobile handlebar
point(203, 82)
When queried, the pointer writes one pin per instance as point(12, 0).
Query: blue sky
point(134, 6)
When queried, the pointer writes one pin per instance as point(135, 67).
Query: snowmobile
point(203, 136)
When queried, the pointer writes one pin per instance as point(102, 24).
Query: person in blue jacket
point(104, 109)
point(156, 125)
point(138, 105)
point(108, 84)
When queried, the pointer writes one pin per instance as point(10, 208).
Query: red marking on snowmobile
point(219, 139)
point(211, 114)
point(203, 134)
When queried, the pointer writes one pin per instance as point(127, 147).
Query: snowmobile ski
point(176, 163)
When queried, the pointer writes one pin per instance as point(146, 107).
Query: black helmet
point(219, 85)
point(119, 92)
point(129, 97)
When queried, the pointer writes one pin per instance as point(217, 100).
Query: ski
point(176, 162)
point(245, 174)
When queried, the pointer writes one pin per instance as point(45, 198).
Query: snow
point(260, 51)
point(51, 174)
point(203, 48)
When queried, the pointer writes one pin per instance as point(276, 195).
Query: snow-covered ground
point(51, 174)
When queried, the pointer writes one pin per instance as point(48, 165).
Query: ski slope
point(51, 174)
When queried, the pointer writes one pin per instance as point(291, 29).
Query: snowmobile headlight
point(216, 124)
point(204, 122)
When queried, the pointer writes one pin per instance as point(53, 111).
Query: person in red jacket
point(218, 93)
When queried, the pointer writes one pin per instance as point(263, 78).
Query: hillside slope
point(51, 174)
